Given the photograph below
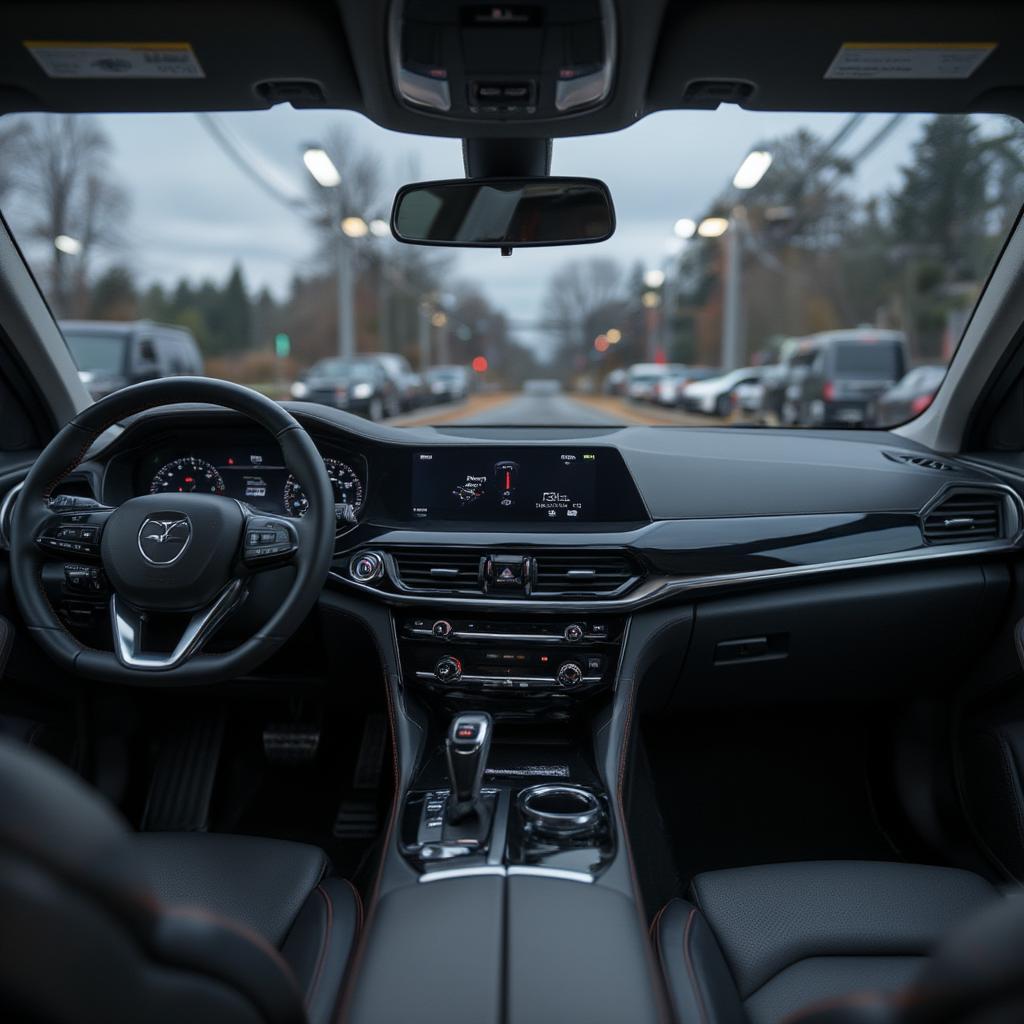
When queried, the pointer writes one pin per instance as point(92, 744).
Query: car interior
point(506, 723)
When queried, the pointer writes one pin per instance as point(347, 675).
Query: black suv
point(837, 377)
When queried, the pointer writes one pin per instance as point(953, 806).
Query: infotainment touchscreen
point(542, 484)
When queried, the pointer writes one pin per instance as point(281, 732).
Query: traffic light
point(282, 345)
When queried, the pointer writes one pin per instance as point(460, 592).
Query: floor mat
point(780, 786)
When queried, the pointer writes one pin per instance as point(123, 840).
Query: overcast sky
point(194, 212)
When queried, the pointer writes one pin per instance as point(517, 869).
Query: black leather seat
point(100, 924)
point(758, 945)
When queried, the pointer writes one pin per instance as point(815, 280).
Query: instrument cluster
point(255, 475)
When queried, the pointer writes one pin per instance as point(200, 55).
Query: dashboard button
point(366, 566)
point(573, 633)
point(441, 629)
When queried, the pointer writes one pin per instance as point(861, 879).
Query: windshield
point(859, 223)
point(97, 353)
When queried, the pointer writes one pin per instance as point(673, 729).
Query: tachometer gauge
point(348, 491)
point(186, 475)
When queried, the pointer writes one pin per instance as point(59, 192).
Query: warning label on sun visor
point(115, 60)
point(908, 60)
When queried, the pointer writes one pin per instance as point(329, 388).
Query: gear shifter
point(469, 740)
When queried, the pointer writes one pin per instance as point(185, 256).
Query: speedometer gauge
point(185, 475)
point(348, 491)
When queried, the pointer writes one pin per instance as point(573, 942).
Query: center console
point(507, 886)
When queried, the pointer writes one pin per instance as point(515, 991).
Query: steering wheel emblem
point(163, 539)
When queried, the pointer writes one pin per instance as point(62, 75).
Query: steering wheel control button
point(569, 674)
point(267, 539)
point(366, 567)
point(448, 669)
point(72, 534)
point(573, 633)
point(441, 629)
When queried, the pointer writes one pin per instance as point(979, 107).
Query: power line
point(233, 149)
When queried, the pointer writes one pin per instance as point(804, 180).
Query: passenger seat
point(761, 945)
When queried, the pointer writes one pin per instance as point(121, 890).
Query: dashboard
point(614, 518)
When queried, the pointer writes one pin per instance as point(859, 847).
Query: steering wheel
point(171, 558)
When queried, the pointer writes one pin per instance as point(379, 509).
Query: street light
point(713, 227)
point(752, 169)
point(67, 245)
point(654, 278)
point(354, 227)
point(614, 336)
point(379, 228)
point(321, 166)
point(685, 227)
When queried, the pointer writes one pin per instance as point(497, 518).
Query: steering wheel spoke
point(129, 624)
point(73, 531)
point(269, 542)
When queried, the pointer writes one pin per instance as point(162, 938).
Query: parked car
point(414, 390)
point(403, 394)
point(447, 383)
point(360, 386)
point(669, 389)
point(616, 381)
point(912, 395)
point(840, 375)
point(111, 354)
point(644, 378)
point(714, 396)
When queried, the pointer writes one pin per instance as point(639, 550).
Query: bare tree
point(12, 154)
point(574, 293)
point(66, 178)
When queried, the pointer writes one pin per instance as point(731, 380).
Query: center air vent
point(965, 515)
point(556, 573)
point(438, 569)
point(572, 573)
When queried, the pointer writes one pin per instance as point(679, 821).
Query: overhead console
point(506, 62)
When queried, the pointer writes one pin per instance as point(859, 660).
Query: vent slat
point(965, 516)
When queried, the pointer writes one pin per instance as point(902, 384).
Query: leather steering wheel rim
point(311, 557)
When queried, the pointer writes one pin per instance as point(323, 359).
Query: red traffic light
point(479, 364)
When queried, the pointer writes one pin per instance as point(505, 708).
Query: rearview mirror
point(504, 213)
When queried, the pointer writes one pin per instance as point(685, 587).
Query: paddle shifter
point(469, 740)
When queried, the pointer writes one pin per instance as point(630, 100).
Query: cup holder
point(558, 810)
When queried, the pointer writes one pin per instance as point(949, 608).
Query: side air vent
point(575, 573)
point(965, 515)
point(921, 461)
point(438, 569)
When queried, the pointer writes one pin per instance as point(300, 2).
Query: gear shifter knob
point(469, 740)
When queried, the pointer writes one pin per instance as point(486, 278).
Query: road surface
point(549, 410)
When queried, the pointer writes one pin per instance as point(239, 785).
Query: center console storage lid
point(576, 952)
point(497, 949)
point(433, 953)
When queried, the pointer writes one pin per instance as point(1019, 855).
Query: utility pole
point(346, 310)
point(733, 342)
point(423, 315)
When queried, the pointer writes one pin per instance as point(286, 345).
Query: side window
point(145, 355)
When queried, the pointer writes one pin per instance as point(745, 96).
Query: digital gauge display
point(555, 485)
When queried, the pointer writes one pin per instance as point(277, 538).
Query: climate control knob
point(569, 673)
point(441, 629)
point(448, 669)
point(573, 633)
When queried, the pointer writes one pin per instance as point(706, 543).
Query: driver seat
point(100, 924)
